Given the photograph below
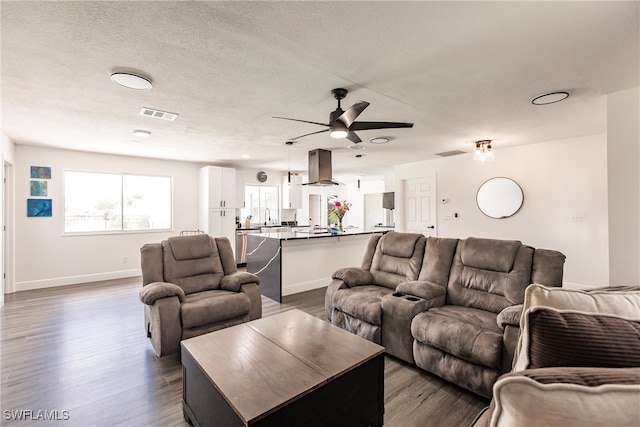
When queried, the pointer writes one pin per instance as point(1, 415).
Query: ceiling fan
point(342, 124)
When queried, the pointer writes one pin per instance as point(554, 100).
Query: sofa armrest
point(156, 290)
point(510, 316)
point(335, 285)
point(353, 276)
point(232, 282)
point(433, 293)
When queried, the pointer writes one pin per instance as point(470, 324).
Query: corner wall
point(565, 200)
point(623, 158)
point(44, 257)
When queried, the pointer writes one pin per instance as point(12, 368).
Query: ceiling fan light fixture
point(550, 98)
point(131, 81)
point(339, 132)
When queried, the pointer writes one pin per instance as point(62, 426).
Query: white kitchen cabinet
point(222, 223)
point(292, 192)
point(217, 210)
point(218, 187)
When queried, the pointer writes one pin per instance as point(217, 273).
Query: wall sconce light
point(484, 151)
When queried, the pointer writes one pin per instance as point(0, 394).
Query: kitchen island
point(292, 262)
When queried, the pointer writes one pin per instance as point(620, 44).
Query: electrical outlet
point(125, 260)
point(448, 217)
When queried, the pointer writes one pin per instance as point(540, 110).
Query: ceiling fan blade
point(379, 125)
point(352, 113)
point(303, 121)
point(307, 134)
point(351, 136)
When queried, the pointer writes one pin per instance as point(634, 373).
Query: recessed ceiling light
point(245, 156)
point(550, 98)
point(131, 81)
point(357, 147)
point(141, 133)
point(379, 140)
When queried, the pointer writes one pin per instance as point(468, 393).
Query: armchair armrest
point(232, 282)
point(156, 290)
point(433, 293)
point(353, 276)
point(510, 316)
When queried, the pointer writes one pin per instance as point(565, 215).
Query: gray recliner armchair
point(191, 286)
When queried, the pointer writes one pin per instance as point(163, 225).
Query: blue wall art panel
point(39, 188)
point(41, 172)
point(38, 207)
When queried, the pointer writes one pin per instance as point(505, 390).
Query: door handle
point(431, 226)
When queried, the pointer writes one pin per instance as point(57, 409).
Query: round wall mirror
point(499, 197)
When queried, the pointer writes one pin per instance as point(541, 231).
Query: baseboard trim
point(305, 286)
point(75, 280)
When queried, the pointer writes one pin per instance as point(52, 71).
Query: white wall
point(623, 154)
point(565, 200)
point(44, 257)
point(7, 154)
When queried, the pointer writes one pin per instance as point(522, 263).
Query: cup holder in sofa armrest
point(397, 294)
point(413, 298)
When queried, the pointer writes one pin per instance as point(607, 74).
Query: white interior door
point(315, 209)
point(420, 205)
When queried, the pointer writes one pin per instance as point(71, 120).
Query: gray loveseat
point(191, 286)
point(450, 306)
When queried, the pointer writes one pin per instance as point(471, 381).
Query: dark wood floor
point(82, 349)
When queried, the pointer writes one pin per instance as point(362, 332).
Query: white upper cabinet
point(292, 192)
point(218, 187)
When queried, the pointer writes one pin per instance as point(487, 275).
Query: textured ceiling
point(461, 71)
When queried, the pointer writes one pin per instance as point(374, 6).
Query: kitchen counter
point(297, 235)
point(291, 262)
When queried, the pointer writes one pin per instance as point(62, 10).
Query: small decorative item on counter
point(337, 213)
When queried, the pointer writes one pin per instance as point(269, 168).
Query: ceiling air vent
point(450, 153)
point(164, 115)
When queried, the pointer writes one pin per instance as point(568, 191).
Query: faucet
point(265, 215)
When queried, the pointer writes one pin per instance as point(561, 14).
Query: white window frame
point(120, 231)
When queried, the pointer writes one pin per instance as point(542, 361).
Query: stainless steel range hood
point(320, 171)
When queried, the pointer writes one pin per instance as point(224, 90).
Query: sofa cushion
point(562, 338)
point(483, 283)
point(467, 333)
point(438, 256)
point(208, 307)
point(397, 259)
point(362, 302)
point(190, 247)
point(571, 397)
point(489, 254)
point(192, 274)
point(621, 302)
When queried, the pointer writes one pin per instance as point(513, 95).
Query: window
point(109, 202)
point(261, 203)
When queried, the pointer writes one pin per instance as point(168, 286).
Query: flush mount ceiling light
point(550, 98)
point(131, 81)
point(357, 147)
point(141, 133)
point(484, 151)
point(379, 140)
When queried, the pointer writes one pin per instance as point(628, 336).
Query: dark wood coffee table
point(290, 369)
